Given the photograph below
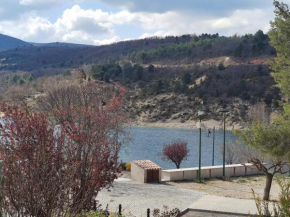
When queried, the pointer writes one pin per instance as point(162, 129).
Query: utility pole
point(213, 138)
point(224, 111)
point(200, 113)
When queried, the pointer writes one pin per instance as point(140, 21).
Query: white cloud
point(244, 21)
point(174, 23)
point(107, 41)
point(157, 33)
point(27, 28)
point(89, 26)
point(75, 25)
point(123, 17)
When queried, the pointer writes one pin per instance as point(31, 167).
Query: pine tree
point(280, 40)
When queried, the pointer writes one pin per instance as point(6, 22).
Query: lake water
point(147, 142)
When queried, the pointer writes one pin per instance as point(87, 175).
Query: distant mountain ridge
point(8, 43)
point(59, 44)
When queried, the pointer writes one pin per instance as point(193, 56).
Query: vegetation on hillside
point(165, 77)
point(208, 45)
point(186, 48)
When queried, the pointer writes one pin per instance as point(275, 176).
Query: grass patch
point(241, 180)
point(246, 179)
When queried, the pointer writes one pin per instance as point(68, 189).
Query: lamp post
point(224, 111)
point(213, 138)
point(200, 113)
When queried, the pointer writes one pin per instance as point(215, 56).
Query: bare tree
point(60, 174)
point(231, 156)
point(259, 112)
point(261, 133)
point(265, 163)
point(38, 169)
point(18, 95)
point(66, 96)
point(93, 119)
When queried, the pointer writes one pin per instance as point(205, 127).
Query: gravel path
point(136, 198)
point(238, 187)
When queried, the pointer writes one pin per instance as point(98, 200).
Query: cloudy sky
point(106, 21)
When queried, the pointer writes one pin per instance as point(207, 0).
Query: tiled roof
point(147, 164)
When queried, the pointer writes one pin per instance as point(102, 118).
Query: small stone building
point(145, 171)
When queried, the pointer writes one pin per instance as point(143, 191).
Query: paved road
point(136, 198)
point(224, 204)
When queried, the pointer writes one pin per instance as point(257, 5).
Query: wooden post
point(120, 209)
point(95, 205)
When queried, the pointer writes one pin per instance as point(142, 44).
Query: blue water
point(147, 142)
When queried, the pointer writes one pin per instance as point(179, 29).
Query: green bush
point(166, 212)
point(280, 208)
point(221, 66)
point(186, 78)
point(66, 73)
point(151, 68)
point(99, 213)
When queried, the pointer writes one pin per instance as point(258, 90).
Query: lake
point(147, 142)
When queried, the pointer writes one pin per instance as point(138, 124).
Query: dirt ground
point(236, 188)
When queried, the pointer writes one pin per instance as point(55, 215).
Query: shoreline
point(209, 124)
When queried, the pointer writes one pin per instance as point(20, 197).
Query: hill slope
point(167, 77)
point(59, 44)
point(7, 42)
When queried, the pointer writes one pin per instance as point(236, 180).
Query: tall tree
point(93, 119)
point(267, 146)
point(254, 152)
point(274, 138)
point(280, 40)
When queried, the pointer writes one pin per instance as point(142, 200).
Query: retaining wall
point(210, 172)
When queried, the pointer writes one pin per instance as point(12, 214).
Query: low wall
point(209, 172)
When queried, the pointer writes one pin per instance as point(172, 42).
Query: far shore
point(208, 124)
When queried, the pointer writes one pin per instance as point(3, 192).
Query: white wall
point(209, 172)
point(137, 173)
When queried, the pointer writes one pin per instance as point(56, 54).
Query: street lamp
point(213, 138)
point(224, 111)
point(199, 113)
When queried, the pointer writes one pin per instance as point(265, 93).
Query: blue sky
point(107, 21)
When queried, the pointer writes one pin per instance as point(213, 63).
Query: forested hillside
point(166, 77)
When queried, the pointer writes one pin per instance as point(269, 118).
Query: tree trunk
point(269, 178)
